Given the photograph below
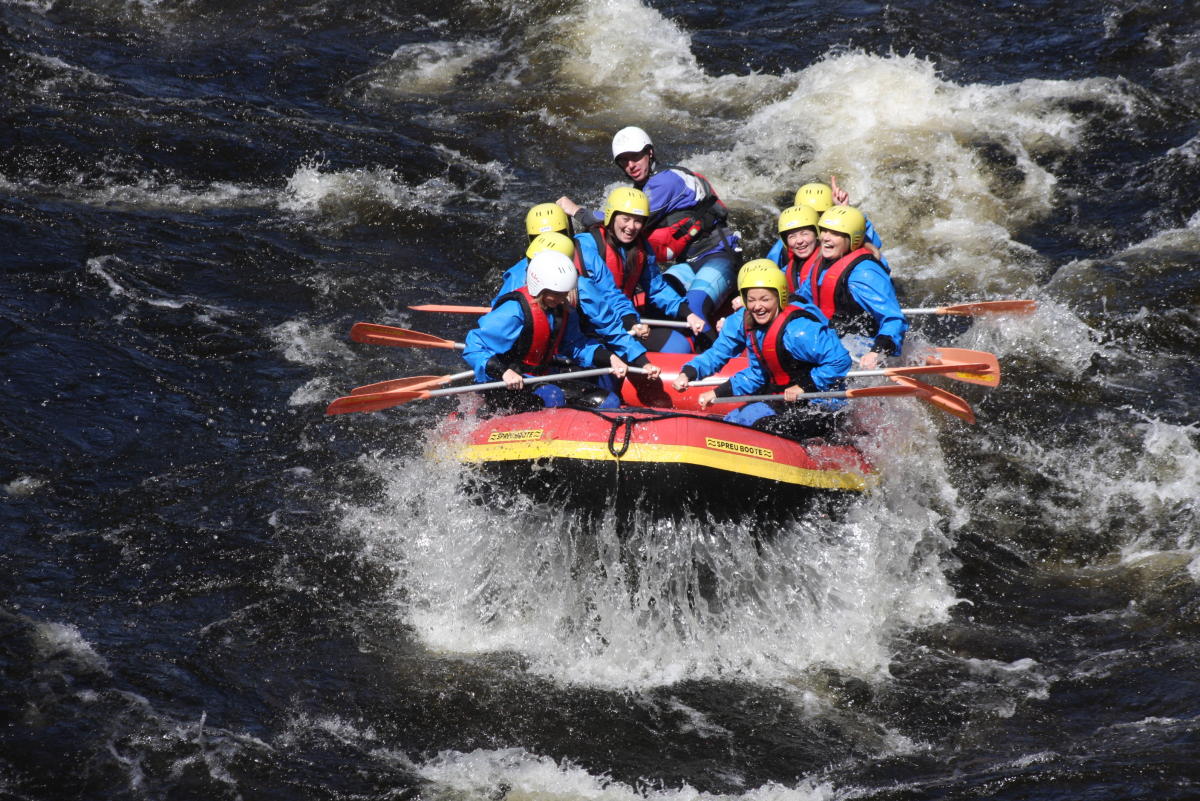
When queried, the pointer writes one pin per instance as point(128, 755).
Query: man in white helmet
point(688, 223)
point(527, 327)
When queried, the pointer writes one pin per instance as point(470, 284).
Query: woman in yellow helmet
point(614, 253)
point(852, 288)
point(791, 349)
point(821, 198)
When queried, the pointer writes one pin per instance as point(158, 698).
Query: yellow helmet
point(763, 274)
point(626, 200)
point(793, 217)
point(551, 241)
point(845, 220)
point(819, 196)
point(545, 217)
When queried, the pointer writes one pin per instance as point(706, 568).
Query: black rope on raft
point(626, 421)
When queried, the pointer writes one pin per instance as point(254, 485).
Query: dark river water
point(209, 590)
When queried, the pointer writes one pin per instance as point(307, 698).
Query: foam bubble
point(362, 192)
point(24, 486)
point(304, 343)
point(429, 67)
point(644, 69)
point(59, 640)
point(948, 173)
point(1135, 485)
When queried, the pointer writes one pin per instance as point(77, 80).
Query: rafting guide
point(687, 225)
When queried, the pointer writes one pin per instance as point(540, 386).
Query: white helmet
point(630, 140)
point(550, 270)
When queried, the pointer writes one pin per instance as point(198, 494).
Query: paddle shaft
point(982, 307)
point(864, 392)
point(934, 369)
point(537, 379)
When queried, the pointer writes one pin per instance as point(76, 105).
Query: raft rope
point(612, 435)
point(628, 422)
point(646, 416)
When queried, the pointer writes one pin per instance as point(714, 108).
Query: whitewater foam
point(667, 600)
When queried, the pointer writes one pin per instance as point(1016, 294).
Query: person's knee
point(551, 395)
point(676, 343)
point(715, 278)
point(749, 414)
point(680, 277)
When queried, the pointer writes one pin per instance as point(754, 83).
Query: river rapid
point(210, 590)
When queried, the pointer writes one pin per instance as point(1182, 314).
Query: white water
point(670, 601)
point(525, 777)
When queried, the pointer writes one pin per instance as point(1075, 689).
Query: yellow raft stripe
point(686, 454)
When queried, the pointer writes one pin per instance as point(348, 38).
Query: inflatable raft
point(660, 451)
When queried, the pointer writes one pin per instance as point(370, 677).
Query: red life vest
point(831, 294)
point(627, 272)
point(781, 366)
point(671, 233)
point(537, 342)
point(793, 267)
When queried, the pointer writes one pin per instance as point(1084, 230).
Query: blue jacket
point(658, 291)
point(596, 305)
point(871, 287)
point(805, 339)
point(499, 330)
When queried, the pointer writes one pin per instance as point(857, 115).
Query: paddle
point(433, 307)
point(946, 401)
point(375, 334)
point(411, 383)
point(983, 307)
point(884, 390)
point(960, 357)
point(372, 402)
point(960, 364)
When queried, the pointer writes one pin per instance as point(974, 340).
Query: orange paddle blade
point(934, 369)
point(946, 401)
point(375, 334)
point(881, 390)
point(967, 362)
point(372, 402)
point(433, 307)
point(992, 307)
point(412, 383)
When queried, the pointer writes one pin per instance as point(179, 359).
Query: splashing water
point(659, 601)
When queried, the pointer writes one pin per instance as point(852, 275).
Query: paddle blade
point(992, 307)
point(970, 360)
point(883, 390)
point(946, 401)
point(375, 334)
point(372, 402)
point(434, 307)
point(412, 383)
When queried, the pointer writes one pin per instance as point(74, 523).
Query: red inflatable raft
point(658, 449)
